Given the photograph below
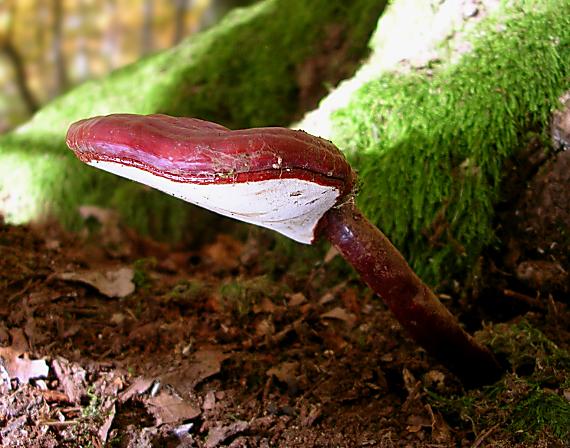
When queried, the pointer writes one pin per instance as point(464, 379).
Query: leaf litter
point(143, 346)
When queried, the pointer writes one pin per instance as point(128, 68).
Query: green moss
point(527, 348)
point(541, 410)
point(527, 404)
point(186, 292)
point(239, 296)
point(430, 144)
point(141, 268)
point(241, 72)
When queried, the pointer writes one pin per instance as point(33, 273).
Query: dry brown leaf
point(297, 299)
point(19, 366)
point(440, 430)
point(219, 434)
point(286, 372)
point(330, 255)
point(169, 408)
point(417, 422)
point(55, 396)
point(139, 386)
point(204, 363)
point(264, 328)
point(339, 313)
point(224, 253)
point(103, 432)
point(15, 361)
point(71, 378)
point(329, 296)
point(265, 306)
point(351, 301)
point(111, 283)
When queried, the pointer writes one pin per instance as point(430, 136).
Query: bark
point(147, 32)
point(180, 10)
point(111, 41)
point(20, 78)
point(61, 77)
point(15, 58)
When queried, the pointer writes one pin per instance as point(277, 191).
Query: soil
point(112, 339)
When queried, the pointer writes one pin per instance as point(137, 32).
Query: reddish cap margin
point(197, 151)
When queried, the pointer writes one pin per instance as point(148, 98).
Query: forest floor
point(111, 339)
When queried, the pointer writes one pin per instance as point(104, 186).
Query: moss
point(241, 295)
point(526, 348)
point(527, 404)
point(186, 292)
point(241, 72)
point(539, 410)
point(141, 276)
point(430, 144)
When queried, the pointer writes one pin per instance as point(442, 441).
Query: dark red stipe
point(415, 306)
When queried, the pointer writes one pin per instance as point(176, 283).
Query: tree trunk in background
point(81, 56)
point(180, 10)
point(146, 33)
point(58, 52)
point(20, 77)
point(219, 8)
point(10, 51)
point(42, 39)
point(111, 38)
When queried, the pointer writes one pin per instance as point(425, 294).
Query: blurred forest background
point(48, 46)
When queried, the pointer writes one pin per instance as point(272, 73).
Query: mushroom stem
point(415, 306)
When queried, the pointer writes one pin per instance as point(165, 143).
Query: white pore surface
point(292, 207)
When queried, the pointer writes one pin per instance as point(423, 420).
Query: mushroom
point(288, 181)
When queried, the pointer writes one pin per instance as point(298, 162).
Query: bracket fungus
point(288, 181)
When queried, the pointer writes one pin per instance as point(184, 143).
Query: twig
point(523, 298)
point(14, 296)
point(58, 423)
point(483, 436)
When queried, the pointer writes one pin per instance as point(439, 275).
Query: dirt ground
point(111, 339)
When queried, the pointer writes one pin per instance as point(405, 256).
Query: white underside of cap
point(292, 207)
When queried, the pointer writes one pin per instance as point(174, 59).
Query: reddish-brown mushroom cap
point(277, 178)
point(197, 151)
